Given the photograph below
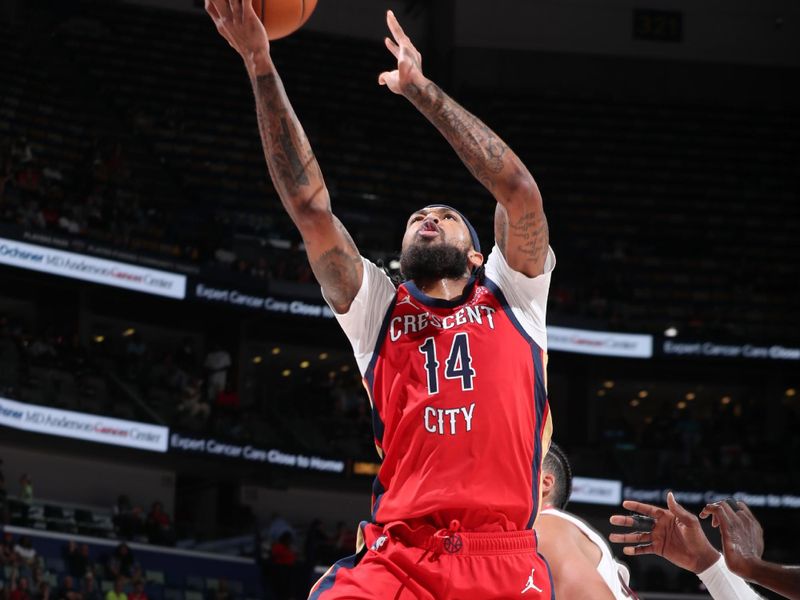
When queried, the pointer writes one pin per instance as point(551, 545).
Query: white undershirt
point(526, 296)
point(722, 584)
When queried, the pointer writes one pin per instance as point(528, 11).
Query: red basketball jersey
point(458, 390)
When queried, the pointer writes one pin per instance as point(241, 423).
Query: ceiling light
point(725, 400)
point(670, 332)
point(608, 384)
point(257, 360)
point(601, 393)
point(276, 350)
point(691, 396)
point(323, 355)
point(99, 339)
point(682, 405)
point(791, 393)
point(635, 402)
point(286, 372)
point(128, 332)
point(304, 364)
point(644, 394)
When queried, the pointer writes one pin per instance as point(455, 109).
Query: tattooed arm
point(292, 165)
point(520, 225)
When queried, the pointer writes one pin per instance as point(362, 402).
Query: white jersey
point(614, 573)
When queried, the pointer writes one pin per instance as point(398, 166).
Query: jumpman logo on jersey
point(407, 300)
point(530, 585)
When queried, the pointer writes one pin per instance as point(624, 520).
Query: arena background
point(162, 338)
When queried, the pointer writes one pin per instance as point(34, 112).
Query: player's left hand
point(742, 536)
point(408, 75)
point(676, 535)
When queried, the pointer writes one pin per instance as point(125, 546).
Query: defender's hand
point(409, 61)
point(237, 22)
point(742, 536)
point(676, 535)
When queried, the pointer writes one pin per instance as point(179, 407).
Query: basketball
point(283, 17)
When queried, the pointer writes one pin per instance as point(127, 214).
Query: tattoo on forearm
point(530, 235)
point(290, 160)
point(337, 270)
point(481, 150)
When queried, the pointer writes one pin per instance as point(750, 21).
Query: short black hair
point(556, 463)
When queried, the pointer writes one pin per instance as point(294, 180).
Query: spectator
point(228, 399)
point(90, 590)
point(217, 363)
point(345, 539)
point(281, 565)
point(67, 591)
point(26, 489)
point(117, 593)
point(186, 357)
point(159, 528)
point(25, 552)
point(43, 591)
point(19, 587)
point(281, 552)
point(277, 527)
point(75, 561)
point(221, 593)
point(120, 562)
point(7, 556)
point(138, 592)
point(127, 518)
point(315, 544)
point(192, 403)
point(3, 500)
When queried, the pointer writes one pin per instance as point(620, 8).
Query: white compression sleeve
point(724, 585)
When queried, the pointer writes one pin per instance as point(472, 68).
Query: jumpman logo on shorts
point(530, 585)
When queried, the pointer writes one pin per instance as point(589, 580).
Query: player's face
point(436, 225)
point(436, 245)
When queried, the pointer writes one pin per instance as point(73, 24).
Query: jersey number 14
point(457, 366)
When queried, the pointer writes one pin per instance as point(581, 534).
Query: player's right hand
point(742, 535)
point(676, 535)
point(237, 22)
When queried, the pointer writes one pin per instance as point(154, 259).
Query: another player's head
point(439, 243)
point(556, 478)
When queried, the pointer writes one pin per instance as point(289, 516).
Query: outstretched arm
point(675, 534)
point(742, 546)
point(292, 165)
point(520, 224)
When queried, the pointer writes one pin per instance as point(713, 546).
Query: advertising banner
point(83, 426)
point(93, 269)
point(600, 343)
point(709, 349)
point(236, 297)
point(212, 447)
point(596, 491)
point(701, 498)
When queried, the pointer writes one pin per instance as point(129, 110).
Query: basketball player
point(580, 559)
point(453, 359)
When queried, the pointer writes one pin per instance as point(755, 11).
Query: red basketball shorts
point(398, 562)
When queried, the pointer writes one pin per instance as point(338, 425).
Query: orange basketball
point(282, 17)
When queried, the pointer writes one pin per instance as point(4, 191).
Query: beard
point(437, 261)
